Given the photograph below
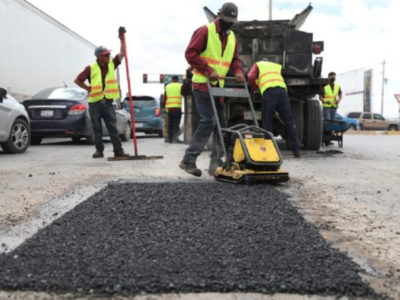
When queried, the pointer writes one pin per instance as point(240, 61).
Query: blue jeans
point(329, 113)
point(276, 99)
point(104, 110)
point(207, 125)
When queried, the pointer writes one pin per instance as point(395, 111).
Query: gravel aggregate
point(135, 238)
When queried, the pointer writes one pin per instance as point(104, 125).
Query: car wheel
point(126, 135)
point(354, 126)
point(36, 140)
point(361, 127)
point(76, 139)
point(392, 128)
point(160, 134)
point(19, 138)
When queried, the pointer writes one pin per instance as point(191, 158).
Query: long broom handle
point(130, 95)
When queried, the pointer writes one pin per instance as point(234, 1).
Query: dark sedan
point(64, 112)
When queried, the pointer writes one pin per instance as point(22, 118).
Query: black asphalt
point(182, 237)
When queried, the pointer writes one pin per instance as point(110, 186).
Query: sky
point(358, 34)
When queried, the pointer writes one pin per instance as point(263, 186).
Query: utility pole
point(270, 10)
point(383, 85)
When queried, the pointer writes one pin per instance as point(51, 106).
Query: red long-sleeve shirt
point(198, 44)
point(252, 76)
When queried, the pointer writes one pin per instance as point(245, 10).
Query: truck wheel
point(298, 116)
point(313, 125)
point(19, 138)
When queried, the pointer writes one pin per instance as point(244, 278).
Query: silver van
point(15, 131)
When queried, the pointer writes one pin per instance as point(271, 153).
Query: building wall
point(37, 51)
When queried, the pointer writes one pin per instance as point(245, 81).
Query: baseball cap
point(101, 50)
point(229, 12)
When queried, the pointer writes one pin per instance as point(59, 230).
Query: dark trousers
point(207, 125)
point(104, 110)
point(276, 99)
point(174, 119)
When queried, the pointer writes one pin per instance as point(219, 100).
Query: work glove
point(121, 31)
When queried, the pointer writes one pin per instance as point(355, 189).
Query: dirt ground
point(353, 198)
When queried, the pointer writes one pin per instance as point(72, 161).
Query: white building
point(36, 51)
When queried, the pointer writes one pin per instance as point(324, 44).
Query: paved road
point(351, 198)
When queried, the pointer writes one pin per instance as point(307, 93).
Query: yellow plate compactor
point(250, 153)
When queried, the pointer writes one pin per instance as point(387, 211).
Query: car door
point(121, 115)
point(367, 121)
point(379, 122)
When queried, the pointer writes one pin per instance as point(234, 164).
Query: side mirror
point(3, 94)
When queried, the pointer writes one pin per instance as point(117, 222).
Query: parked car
point(147, 112)
point(64, 112)
point(353, 122)
point(373, 121)
point(15, 131)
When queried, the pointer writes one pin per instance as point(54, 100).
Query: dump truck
point(279, 41)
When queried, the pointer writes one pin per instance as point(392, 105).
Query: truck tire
point(298, 117)
point(313, 125)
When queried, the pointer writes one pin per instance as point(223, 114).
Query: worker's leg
point(327, 113)
point(269, 102)
point(175, 126)
point(95, 118)
point(204, 129)
point(333, 113)
point(217, 153)
point(285, 112)
point(110, 119)
point(170, 126)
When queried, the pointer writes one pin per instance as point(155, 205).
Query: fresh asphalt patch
point(135, 238)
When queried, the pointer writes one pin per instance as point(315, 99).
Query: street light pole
point(270, 10)
point(383, 86)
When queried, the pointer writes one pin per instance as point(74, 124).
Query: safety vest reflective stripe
point(174, 97)
point(269, 76)
point(218, 61)
point(111, 89)
point(330, 96)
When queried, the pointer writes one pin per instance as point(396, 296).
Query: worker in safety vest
point(173, 105)
point(212, 52)
point(266, 77)
point(330, 97)
point(103, 90)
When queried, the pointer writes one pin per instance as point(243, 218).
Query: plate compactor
point(250, 153)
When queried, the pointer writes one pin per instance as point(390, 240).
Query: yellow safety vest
point(269, 76)
point(97, 92)
point(174, 96)
point(330, 96)
point(218, 61)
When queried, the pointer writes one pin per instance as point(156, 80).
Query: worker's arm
point(340, 96)
point(252, 76)
point(82, 77)
point(198, 44)
point(121, 32)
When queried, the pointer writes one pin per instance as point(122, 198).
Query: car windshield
point(143, 101)
point(61, 93)
point(354, 115)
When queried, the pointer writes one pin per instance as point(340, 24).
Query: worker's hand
point(213, 76)
point(121, 31)
point(239, 77)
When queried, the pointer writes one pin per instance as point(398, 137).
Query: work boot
point(296, 153)
point(120, 153)
point(98, 154)
point(190, 168)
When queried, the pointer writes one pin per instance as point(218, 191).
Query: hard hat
point(229, 12)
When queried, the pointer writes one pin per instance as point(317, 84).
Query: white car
point(15, 131)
